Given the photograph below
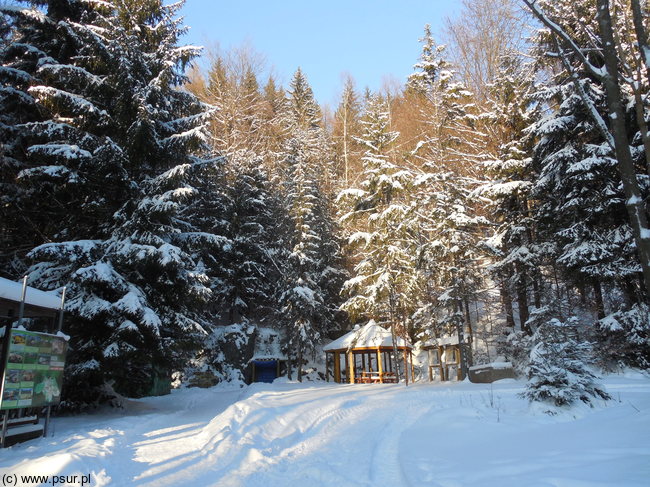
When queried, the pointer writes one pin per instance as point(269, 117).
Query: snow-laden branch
point(599, 73)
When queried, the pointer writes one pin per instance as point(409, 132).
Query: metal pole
point(47, 421)
point(60, 325)
point(5, 420)
point(21, 309)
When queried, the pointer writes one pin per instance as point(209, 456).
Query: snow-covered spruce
point(104, 162)
point(557, 370)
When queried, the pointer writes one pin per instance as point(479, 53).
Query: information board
point(34, 370)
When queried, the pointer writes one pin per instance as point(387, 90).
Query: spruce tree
point(379, 216)
point(313, 274)
point(515, 266)
point(113, 150)
point(581, 211)
point(558, 372)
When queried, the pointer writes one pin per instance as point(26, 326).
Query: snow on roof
point(267, 345)
point(370, 335)
point(13, 291)
point(492, 365)
point(442, 341)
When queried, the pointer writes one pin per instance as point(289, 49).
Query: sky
point(372, 40)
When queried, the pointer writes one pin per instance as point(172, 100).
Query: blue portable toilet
point(265, 370)
point(268, 362)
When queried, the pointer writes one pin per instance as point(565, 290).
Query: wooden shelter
point(444, 358)
point(17, 302)
point(37, 303)
point(268, 362)
point(366, 355)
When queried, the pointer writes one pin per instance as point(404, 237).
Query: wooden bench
point(22, 429)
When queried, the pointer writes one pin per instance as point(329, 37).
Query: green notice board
point(34, 370)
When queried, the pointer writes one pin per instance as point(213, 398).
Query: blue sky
point(370, 39)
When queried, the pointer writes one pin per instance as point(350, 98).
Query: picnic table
point(372, 377)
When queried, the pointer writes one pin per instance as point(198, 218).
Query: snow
point(28, 428)
point(322, 434)
point(369, 335)
point(13, 291)
point(442, 341)
point(51, 171)
point(66, 151)
point(268, 345)
point(492, 365)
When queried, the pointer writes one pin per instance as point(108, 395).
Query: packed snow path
point(352, 435)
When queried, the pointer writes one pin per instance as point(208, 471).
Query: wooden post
point(327, 367)
point(412, 366)
point(442, 370)
point(337, 367)
point(380, 366)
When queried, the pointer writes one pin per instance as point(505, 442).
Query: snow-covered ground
point(318, 434)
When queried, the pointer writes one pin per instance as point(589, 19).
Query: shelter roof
point(12, 291)
point(442, 341)
point(370, 335)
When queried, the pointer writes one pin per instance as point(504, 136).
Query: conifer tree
point(511, 174)
point(113, 148)
point(254, 224)
point(346, 128)
point(580, 191)
point(558, 372)
point(447, 222)
point(379, 209)
point(313, 274)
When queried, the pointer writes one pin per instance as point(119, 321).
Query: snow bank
point(287, 433)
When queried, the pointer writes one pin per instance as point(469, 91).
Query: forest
point(499, 194)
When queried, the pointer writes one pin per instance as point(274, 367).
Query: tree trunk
point(393, 316)
point(629, 291)
point(634, 202)
point(522, 299)
point(345, 144)
point(583, 292)
point(641, 34)
point(299, 368)
point(462, 345)
point(600, 305)
point(395, 351)
point(468, 322)
point(506, 299)
point(617, 132)
point(289, 367)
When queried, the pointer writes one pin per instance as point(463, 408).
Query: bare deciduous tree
point(484, 31)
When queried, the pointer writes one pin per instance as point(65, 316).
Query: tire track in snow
point(288, 433)
point(385, 466)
